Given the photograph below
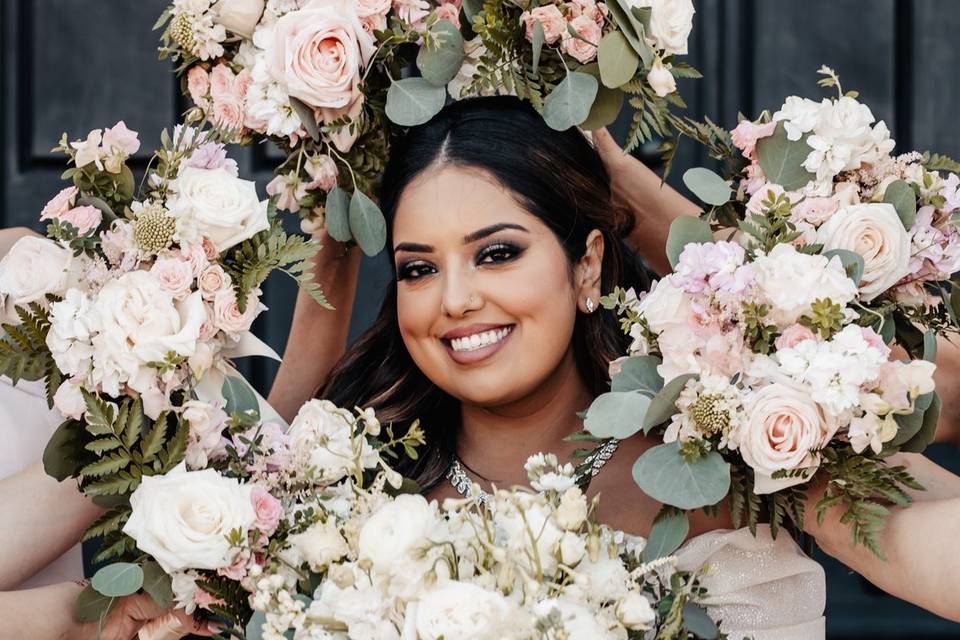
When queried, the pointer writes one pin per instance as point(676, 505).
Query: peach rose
point(318, 53)
point(584, 48)
point(816, 211)
point(553, 23)
point(783, 425)
point(212, 281)
point(794, 335)
point(226, 313)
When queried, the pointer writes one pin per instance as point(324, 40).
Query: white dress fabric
point(758, 587)
point(26, 424)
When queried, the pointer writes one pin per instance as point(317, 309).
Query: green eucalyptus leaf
point(699, 623)
point(708, 186)
point(664, 404)
point(782, 159)
point(337, 215)
point(570, 101)
point(538, 38)
point(118, 579)
point(683, 231)
point(955, 297)
point(440, 64)
point(889, 329)
point(852, 261)
point(97, 203)
point(930, 346)
point(665, 475)
point(928, 428)
point(254, 628)
point(910, 425)
point(632, 29)
point(367, 223)
point(617, 414)
point(639, 373)
point(238, 395)
point(666, 536)
point(472, 8)
point(605, 109)
point(91, 606)
point(61, 456)
point(157, 583)
point(307, 117)
point(126, 184)
point(904, 199)
point(413, 101)
point(617, 59)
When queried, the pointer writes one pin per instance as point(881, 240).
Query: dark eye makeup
point(495, 253)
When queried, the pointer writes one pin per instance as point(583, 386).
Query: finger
point(604, 142)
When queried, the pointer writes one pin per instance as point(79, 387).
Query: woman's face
point(486, 301)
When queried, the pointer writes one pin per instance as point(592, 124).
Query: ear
point(587, 272)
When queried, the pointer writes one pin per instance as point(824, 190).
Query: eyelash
point(506, 250)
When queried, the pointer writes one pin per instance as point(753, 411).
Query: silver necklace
point(592, 465)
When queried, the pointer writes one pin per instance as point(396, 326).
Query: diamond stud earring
point(589, 305)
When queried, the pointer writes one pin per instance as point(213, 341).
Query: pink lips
point(476, 355)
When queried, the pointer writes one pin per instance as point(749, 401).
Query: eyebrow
point(479, 234)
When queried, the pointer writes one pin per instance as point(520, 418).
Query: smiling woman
point(501, 231)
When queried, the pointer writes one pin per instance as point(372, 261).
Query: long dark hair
point(556, 176)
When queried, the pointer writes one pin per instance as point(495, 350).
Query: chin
point(489, 390)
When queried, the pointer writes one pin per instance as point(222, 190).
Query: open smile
point(468, 348)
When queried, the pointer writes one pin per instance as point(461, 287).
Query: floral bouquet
point(766, 358)
point(316, 536)
point(325, 79)
point(133, 305)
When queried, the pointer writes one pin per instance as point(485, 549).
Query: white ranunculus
point(634, 612)
point(572, 510)
point(670, 23)
point(217, 205)
point(783, 425)
point(666, 305)
point(324, 432)
point(320, 545)
point(460, 610)
point(239, 16)
point(32, 268)
point(874, 231)
point(140, 322)
point(790, 281)
point(183, 518)
point(391, 535)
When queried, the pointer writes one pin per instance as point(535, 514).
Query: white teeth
point(479, 340)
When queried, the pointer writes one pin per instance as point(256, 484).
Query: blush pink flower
point(794, 335)
point(213, 281)
point(322, 171)
point(584, 47)
point(236, 571)
point(59, 204)
point(549, 16)
point(413, 12)
point(198, 86)
point(226, 313)
point(373, 14)
point(268, 510)
point(85, 218)
point(449, 12)
point(816, 211)
point(174, 275)
point(205, 600)
point(120, 140)
point(745, 135)
point(874, 339)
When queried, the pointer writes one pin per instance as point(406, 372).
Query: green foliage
point(617, 414)
point(826, 318)
point(236, 608)
point(683, 231)
point(23, 348)
point(413, 101)
point(782, 159)
point(902, 196)
point(441, 55)
point(756, 331)
point(664, 404)
point(666, 475)
point(772, 225)
point(938, 162)
point(569, 103)
point(670, 529)
point(708, 186)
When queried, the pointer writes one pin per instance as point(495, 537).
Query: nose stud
point(589, 305)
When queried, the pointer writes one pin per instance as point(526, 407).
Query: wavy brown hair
point(556, 176)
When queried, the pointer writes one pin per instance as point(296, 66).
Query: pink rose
point(373, 13)
point(228, 114)
point(236, 571)
point(873, 339)
point(209, 249)
point(319, 51)
point(596, 11)
point(195, 254)
point(198, 85)
point(322, 171)
point(413, 12)
point(85, 218)
point(267, 509)
point(816, 211)
point(59, 204)
point(746, 134)
point(549, 16)
point(794, 335)
point(174, 275)
point(227, 316)
point(449, 12)
point(212, 281)
point(584, 48)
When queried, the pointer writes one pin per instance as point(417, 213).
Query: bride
point(503, 235)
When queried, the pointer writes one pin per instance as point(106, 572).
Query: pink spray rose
point(59, 204)
point(174, 275)
point(549, 16)
point(267, 509)
point(198, 85)
point(583, 48)
point(449, 12)
point(85, 218)
point(746, 134)
point(373, 14)
point(794, 335)
point(213, 281)
point(226, 313)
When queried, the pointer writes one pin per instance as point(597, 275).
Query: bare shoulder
point(624, 506)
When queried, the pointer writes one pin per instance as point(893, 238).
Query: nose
point(460, 295)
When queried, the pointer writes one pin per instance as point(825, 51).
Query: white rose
point(572, 510)
point(875, 232)
point(183, 518)
point(516, 527)
point(460, 610)
point(324, 433)
point(666, 305)
point(32, 268)
point(391, 535)
point(320, 545)
point(572, 549)
point(577, 620)
point(606, 577)
point(670, 22)
point(239, 16)
point(661, 80)
point(634, 612)
point(140, 323)
point(218, 205)
point(790, 281)
point(206, 423)
point(783, 424)
point(69, 401)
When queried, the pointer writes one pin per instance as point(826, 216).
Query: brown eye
point(498, 252)
point(414, 270)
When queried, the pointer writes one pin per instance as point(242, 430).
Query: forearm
point(318, 337)
point(44, 519)
point(43, 614)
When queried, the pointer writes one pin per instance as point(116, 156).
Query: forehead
point(450, 202)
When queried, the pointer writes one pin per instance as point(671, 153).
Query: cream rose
point(666, 305)
point(239, 16)
point(213, 281)
point(320, 545)
point(783, 425)
point(174, 275)
point(460, 610)
point(389, 537)
point(226, 314)
point(33, 268)
point(183, 518)
point(218, 206)
point(875, 232)
point(140, 323)
point(318, 53)
point(634, 612)
point(670, 22)
point(324, 433)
